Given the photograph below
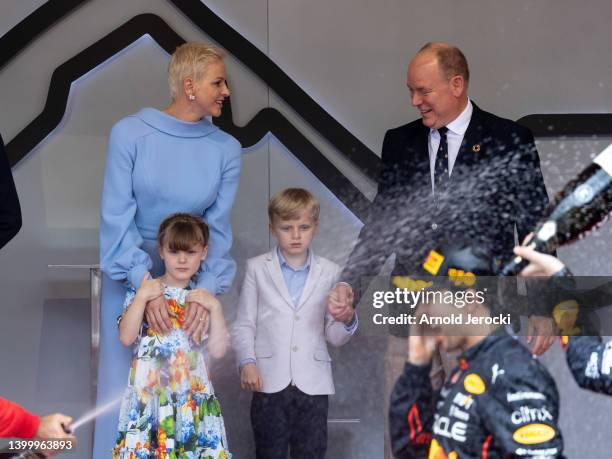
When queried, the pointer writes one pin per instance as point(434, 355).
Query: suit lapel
point(314, 273)
point(276, 274)
point(470, 150)
point(417, 159)
point(421, 146)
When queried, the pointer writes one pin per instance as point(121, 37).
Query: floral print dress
point(169, 409)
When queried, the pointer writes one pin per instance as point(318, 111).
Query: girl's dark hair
point(181, 231)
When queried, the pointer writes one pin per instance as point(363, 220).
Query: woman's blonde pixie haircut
point(289, 203)
point(190, 60)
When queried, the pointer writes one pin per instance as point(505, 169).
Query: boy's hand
point(343, 292)
point(340, 303)
point(250, 378)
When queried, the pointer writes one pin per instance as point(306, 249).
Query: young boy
point(281, 330)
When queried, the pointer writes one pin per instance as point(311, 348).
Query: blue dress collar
point(174, 126)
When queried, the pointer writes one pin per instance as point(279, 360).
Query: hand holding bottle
point(582, 205)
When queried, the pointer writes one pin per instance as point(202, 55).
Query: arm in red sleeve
point(15, 421)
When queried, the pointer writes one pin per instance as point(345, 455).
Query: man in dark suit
point(458, 171)
point(10, 211)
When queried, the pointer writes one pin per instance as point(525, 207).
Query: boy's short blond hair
point(190, 60)
point(289, 203)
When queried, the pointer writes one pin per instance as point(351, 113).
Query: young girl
point(169, 409)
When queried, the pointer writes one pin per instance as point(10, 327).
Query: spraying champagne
point(583, 204)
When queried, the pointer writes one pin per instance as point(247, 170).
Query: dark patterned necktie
point(441, 166)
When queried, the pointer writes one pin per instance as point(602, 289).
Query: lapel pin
point(476, 148)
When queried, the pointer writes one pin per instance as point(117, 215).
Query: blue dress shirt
point(295, 278)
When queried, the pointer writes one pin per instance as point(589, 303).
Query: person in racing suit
point(588, 357)
point(498, 402)
point(590, 361)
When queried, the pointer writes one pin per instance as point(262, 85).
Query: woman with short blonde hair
point(190, 60)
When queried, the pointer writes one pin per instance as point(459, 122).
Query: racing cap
point(460, 256)
point(461, 261)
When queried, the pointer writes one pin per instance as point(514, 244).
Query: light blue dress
point(157, 165)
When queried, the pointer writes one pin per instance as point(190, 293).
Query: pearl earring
point(191, 97)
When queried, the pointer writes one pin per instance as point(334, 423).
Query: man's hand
point(50, 427)
point(250, 378)
point(340, 303)
point(544, 331)
point(156, 312)
point(540, 263)
point(197, 317)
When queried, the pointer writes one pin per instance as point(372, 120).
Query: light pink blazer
point(288, 343)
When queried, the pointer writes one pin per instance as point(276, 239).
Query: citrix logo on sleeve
point(526, 414)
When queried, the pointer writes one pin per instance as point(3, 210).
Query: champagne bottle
point(582, 205)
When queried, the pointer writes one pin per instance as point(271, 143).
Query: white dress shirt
point(454, 137)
